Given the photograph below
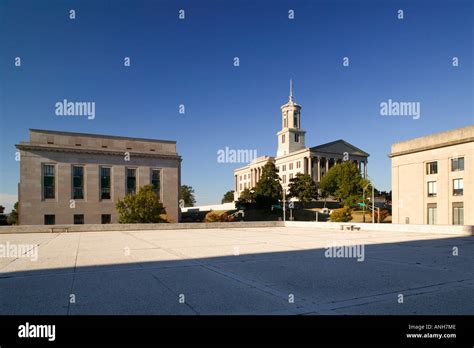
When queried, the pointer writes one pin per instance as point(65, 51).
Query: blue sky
point(190, 62)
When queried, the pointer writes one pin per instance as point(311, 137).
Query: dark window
point(283, 139)
point(458, 187)
point(131, 181)
point(297, 138)
point(432, 213)
point(77, 182)
point(104, 183)
point(457, 164)
point(106, 218)
point(78, 219)
point(432, 189)
point(295, 120)
point(49, 219)
point(432, 168)
point(48, 181)
point(458, 214)
point(156, 181)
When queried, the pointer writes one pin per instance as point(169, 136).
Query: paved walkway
point(280, 270)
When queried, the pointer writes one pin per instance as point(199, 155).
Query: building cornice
point(85, 150)
point(91, 135)
point(431, 147)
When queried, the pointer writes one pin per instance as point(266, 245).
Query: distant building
point(433, 179)
point(294, 157)
point(76, 178)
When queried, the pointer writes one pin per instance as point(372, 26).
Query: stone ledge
point(465, 230)
point(134, 227)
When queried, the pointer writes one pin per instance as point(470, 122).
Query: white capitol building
point(294, 157)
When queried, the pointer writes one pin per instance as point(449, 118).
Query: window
point(297, 138)
point(458, 187)
point(48, 181)
point(284, 179)
point(458, 214)
point(298, 164)
point(457, 164)
point(432, 168)
point(432, 212)
point(432, 190)
point(106, 218)
point(285, 121)
point(104, 183)
point(78, 219)
point(240, 187)
point(77, 182)
point(291, 176)
point(291, 166)
point(295, 120)
point(156, 181)
point(131, 181)
point(284, 167)
point(283, 139)
point(49, 219)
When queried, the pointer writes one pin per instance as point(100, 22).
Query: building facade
point(76, 178)
point(294, 157)
point(433, 178)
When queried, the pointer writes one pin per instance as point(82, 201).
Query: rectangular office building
point(433, 179)
point(76, 178)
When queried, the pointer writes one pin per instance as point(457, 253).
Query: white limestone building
point(294, 157)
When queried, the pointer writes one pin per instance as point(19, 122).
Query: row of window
point(458, 213)
point(458, 188)
point(78, 182)
point(457, 164)
point(283, 167)
point(78, 219)
point(297, 138)
point(290, 166)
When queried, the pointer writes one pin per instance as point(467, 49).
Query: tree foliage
point(186, 193)
point(344, 182)
point(303, 188)
point(268, 190)
point(13, 217)
point(341, 215)
point(247, 196)
point(144, 207)
point(228, 197)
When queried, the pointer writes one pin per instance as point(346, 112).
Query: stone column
point(365, 169)
point(319, 169)
point(310, 166)
point(327, 164)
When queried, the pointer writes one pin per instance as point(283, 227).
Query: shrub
point(384, 213)
point(213, 216)
point(166, 218)
point(144, 207)
point(341, 215)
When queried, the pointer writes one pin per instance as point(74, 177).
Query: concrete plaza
point(266, 270)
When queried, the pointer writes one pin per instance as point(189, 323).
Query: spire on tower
point(291, 90)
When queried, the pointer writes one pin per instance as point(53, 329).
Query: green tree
point(13, 217)
point(228, 197)
point(247, 196)
point(303, 188)
point(268, 190)
point(186, 193)
point(144, 207)
point(341, 215)
point(344, 182)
